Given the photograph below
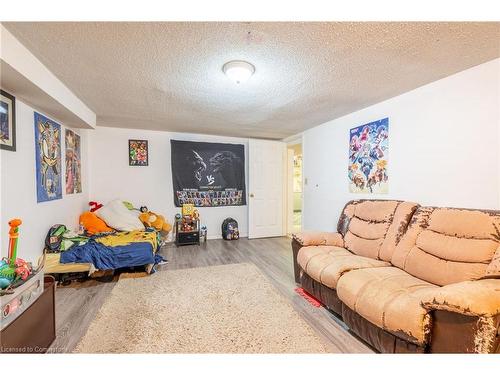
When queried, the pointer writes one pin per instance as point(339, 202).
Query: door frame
point(291, 141)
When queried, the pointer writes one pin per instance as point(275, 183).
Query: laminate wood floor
point(78, 304)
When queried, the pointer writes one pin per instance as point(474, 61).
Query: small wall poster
point(7, 121)
point(137, 152)
point(368, 158)
point(48, 159)
point(73, 162)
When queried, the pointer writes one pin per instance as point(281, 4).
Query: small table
point(185, 236)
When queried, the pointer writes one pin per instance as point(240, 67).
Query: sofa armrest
point(473, 298)
point(466, 317)
point(311, 238)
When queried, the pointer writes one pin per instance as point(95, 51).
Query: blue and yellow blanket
point(117, 250)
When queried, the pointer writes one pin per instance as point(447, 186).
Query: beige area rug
point(219, 309)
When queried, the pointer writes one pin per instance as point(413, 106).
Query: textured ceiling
point(167, 76)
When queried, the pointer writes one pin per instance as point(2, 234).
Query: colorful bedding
point(118, 250)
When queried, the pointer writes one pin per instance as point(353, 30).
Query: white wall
point(112, 178)
point(18, 190)
point(444, 148)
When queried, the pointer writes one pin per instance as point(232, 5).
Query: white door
point(266, 181)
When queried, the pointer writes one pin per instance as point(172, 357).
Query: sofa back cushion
point(449, 245)
point(372, 228)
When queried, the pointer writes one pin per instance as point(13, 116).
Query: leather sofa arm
point(311, 238)
point(473, 298)
point(466, 317)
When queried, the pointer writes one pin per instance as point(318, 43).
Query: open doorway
point(294, 188)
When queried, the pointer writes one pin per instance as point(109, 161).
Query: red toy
point(94, 206)
point(23, 270)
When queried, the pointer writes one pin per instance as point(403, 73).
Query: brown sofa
point(407, 278)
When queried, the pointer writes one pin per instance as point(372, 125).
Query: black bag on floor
point(230, 229)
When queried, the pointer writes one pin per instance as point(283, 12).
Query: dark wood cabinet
point(35, 329)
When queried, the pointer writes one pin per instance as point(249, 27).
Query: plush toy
point(93, 224)
point(7, 273)
point(94, 206)
point(4, 283)
point(195, 215)
point(158, 222)
point(23, 269)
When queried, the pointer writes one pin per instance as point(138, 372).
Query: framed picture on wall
point(138, 152)
point(7, 121)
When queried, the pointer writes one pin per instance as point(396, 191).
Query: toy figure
point(152, 220)
point(13, 239)
point(94, 206)
point(23, 269)
point(13, 268)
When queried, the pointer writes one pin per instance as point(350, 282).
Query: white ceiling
point(168, 76)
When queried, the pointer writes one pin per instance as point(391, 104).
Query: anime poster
point(48, 159)
point(137, 153)
point(73, 162)
point(208, 174)
point(368, 156)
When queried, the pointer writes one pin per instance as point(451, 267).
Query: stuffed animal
point(158, 222)
point(195, 215)
point(94, 206)
point(7, 273)
point(23, 269)
point(93, 224)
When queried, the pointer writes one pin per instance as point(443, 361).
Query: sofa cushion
point(372, 228)
point(316, 238)
point(450, 245)
point(389, 298)
point(326, 264)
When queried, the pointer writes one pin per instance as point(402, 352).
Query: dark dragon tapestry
point(208, 174)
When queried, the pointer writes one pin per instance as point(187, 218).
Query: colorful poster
point(137, 152)
point(208, 174)
point(73, 162)
point(368, 157)
point(7, 121)
point(48, 159)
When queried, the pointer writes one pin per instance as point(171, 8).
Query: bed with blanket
point(108, 252)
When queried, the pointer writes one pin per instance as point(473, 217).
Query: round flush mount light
point(238, 71)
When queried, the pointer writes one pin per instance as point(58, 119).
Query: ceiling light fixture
point(238, 71)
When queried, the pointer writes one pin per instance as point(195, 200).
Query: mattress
point(53, 265)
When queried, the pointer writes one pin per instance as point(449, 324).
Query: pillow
point(117, 216)
point(93, 224)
